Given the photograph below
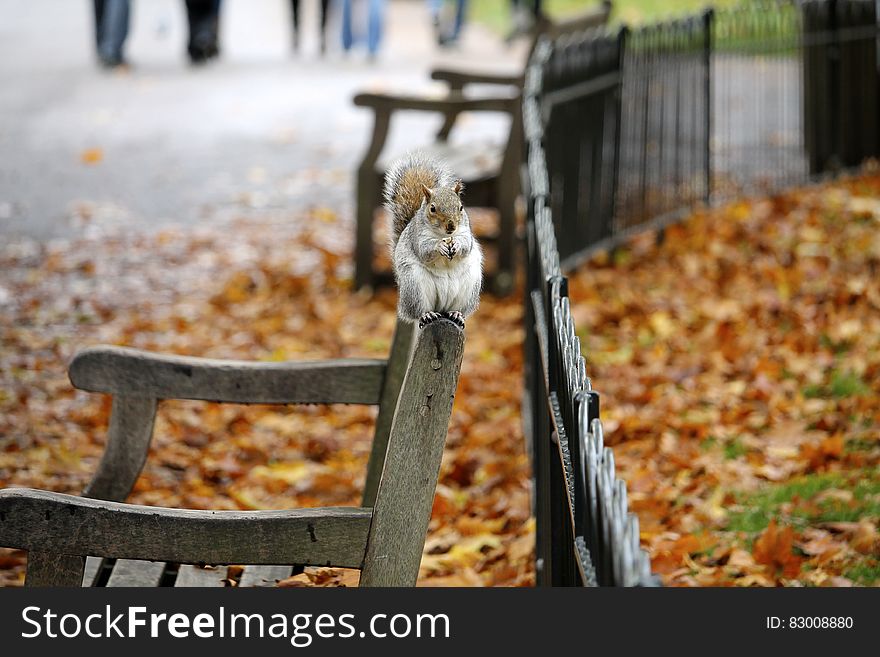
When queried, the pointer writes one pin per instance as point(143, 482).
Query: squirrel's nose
point(450, 228)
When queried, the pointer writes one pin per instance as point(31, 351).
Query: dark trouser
point(294, 8)
point(111, 29)
point(204, 28)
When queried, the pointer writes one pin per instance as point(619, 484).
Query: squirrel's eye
point(433, 209)
point(461, 208)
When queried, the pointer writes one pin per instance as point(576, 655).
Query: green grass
point(496, 13)
point(757, 509)
point(708, 443)
point(866, 571)
point(842, 385)
point(860, 445)
point(734, 449)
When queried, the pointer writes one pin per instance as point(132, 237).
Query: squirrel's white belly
point(450, 287)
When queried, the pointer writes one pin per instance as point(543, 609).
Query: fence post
point(833, 53)
point(618, 130)
point(708, 23)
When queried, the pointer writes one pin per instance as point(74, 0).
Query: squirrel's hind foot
point(428, 318)
point(456, 317)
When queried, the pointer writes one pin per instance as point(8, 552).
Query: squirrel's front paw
point(448, 247)
point(428, 318)
point(456, 317)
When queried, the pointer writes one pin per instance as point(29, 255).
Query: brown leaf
point(774, 548)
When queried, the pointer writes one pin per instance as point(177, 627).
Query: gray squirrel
point(438, 265)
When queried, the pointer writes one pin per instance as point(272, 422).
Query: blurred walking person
point(111, 30)
point(294, 10)
point(352, 30)
point(204, 30)
point(447, 37)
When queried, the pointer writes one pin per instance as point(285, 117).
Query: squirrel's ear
point(459, 187)
point(428, 192)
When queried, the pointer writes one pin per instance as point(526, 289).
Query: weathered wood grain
point(398, 361)
point(40, 521)
point(52, 569)
point(412, 463)
point(212, 576)
point(128, 442)
point(263, 575)
point(130, 572)
point(136, 373)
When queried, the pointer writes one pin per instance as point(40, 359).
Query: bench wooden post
point(398, 362)
point(128, 442)
point(412, 463)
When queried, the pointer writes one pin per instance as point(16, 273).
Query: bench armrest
point(452, 103)
point(136, 373)
point(383, 105)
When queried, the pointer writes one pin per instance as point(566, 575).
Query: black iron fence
point(646, 124)
point(633, 129)
point(585, 535)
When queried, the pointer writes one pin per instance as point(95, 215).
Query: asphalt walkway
point(261, 130)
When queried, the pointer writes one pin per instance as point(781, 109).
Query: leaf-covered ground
point(738, 364)
point(268, 291)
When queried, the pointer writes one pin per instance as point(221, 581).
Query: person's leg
point(374, 26)
point(215, 28)
point(99, 23)
point(435, 7)
point(536, 9)
point(204, 17)
point(114, 31)
point(325, 10)
point(294, 12)
point(347, 35)
point(460, 13)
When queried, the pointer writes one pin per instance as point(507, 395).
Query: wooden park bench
point(97, 539)
point(490, 172)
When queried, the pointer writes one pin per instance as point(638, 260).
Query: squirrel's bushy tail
point(403, 187)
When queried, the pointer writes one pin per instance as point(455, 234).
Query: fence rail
point(644, 125)
point(631, 129)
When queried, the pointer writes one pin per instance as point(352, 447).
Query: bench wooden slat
point(264, 575)
point(130, 572)
point(94, 566)
point(55, 523)
point(188, 575)
point(136, 373)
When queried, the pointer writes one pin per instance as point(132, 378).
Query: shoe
point(112, 63)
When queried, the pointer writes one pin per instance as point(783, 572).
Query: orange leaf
point(774, 548)
point(91, 156)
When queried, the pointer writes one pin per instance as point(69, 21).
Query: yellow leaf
point(91, 156)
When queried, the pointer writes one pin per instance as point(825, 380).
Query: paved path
point(259, 131)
